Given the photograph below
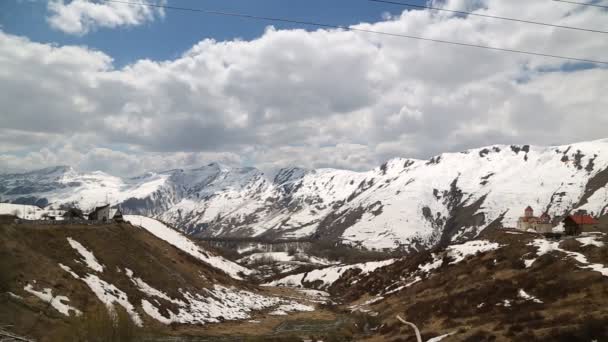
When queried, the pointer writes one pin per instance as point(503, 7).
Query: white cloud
point(326, 98)
point(113, 161)
point(79, 17)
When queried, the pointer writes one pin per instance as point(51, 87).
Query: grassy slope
point(29, 253)
point(573, 308)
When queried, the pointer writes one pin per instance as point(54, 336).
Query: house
point(578, 223)
point(540, 224)
point(106, 213)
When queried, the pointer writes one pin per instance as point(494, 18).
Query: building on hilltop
point(578, 223)
point(106, 213)
point(540, 224)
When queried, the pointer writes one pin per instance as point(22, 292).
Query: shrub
point(292, 251)
point(264, 260)
point(365, 323)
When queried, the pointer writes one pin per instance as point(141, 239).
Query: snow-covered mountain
point(404, 202)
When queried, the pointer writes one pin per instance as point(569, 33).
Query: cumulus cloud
point(79, 17)
point(323, 98)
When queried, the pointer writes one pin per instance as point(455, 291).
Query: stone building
point(540, 224)
point(106, 213)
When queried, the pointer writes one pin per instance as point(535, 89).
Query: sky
point(127, 89)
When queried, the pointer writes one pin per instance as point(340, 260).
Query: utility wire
point(487, 16)
point(582, 3)
point(352, 29)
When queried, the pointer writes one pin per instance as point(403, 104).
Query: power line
point(352, 29)
point(582, 3)
point(488, 16)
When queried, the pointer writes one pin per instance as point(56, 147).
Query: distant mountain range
point(404, 202)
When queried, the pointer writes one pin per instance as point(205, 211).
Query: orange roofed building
point(576, 224)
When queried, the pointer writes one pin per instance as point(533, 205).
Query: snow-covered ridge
point(329, 275)
point(178, 240)
point(404, 202)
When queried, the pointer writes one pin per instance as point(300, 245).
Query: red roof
point(583, 219)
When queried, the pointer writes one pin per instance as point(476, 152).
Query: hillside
point(505, 286)
point(403, 203)
point(53, 276)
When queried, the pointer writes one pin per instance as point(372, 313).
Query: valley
point(221, 254)
point(503, 285)
point(303, 171)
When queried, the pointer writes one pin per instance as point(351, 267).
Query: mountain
point(406, 203)
point(63, 278)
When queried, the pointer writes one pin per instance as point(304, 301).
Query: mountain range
point(404, 203)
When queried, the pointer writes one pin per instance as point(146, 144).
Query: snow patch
point(460, 252)
point(57, 302)
point(283, 309)
point(545, 246)
point(15, 296)
point(506, 303)
point(362, 307)
point(590, 241)
point(149, 290)
point(328, 275)
point(211, 305)
point(284, 257)
point(523, 294)
point(440, 338)
point(88, 256)
point(436, 263)
point(108, 294)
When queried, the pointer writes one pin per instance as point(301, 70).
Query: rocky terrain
point(404, 203)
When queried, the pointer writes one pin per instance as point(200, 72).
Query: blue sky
point(178, 31)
